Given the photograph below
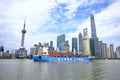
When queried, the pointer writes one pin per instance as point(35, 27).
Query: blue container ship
point(46, 55)
point(50, 58)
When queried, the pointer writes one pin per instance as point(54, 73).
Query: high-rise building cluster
point(37, 49)
point(83, 44)
point(90, 46)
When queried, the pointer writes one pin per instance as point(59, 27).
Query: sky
point(46, 19)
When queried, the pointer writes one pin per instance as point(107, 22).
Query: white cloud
point(1, 21)
point(107, 21)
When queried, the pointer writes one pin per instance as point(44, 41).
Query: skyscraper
point(51, 46)
point(80, 44)
point(93, 27)
point(39, 48)
point(23, 51)
point(86, 42)
point(94, 43)
point(112, 53)
point(66, 46)
point(74, 45)
point(118, 51)
point(104, 51)
point(1, 49)
point(61, 42)
point(51, 43)
point(32, 51)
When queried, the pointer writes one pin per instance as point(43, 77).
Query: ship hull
point(49, 58)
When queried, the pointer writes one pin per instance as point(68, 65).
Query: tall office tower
point(39, 48)
point(67, 46)
point(104, 52)
point(61, 42)
point(118, 52)
point(74, 45)
point(86, 42)
point(101, 48)
point(51, 43)
point(94, 43)
point(51, 46)
point(1, 49)
point(93, 27)
point(23, 51)
point(112, 53)
point(105, 55)
point(40, 45)
point(32, 51)
point(80, 44)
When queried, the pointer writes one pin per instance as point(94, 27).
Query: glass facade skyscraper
point(74, 45)
point(94, 43)
point(61, 42)
point(80, 44)
point(51, 46)
point(66, 46)
point(93, 27)
point(51, 43)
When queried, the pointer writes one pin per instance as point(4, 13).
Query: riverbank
point(16, 58)
point(106, 58)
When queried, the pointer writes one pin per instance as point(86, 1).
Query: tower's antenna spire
point(24, 22)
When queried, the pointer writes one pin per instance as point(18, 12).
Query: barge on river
point(53, 55)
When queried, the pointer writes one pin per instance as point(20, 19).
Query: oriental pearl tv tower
point(22, 49)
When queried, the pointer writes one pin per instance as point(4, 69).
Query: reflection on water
point(29, 70)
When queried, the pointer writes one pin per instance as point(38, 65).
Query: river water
point(13, 69)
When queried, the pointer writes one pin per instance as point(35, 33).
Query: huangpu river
point(15, 69)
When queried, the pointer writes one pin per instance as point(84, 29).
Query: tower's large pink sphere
point(23, 31)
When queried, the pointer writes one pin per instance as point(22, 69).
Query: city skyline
point(45, 21)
